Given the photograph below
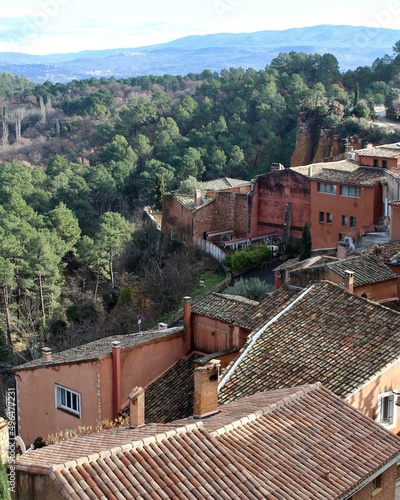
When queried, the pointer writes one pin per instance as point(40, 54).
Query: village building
point(299, 442)
point(322, 333)
point(216, 212)
point(363, 275)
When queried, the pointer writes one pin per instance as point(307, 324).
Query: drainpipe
point(187, 324)
point(116, 369)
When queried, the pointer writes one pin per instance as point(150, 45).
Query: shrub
point(252, 288)
point(242, 259)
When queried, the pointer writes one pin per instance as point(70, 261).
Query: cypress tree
point(305, 244)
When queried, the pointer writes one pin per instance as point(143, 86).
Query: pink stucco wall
point(37, 412)
point(141, 364)
point(366, 399)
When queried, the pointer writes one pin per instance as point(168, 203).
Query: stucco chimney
point(349, 281)
point(116, 370)
point(136, 407)
point(206, 389)
point(46, 355)
point(187, 324)
point(197, 198)
point(310, 171)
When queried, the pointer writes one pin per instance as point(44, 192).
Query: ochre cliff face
point(328, 147)
point(303, 152)
point(314, 144)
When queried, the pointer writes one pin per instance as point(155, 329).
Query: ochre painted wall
point(372, 291)
point(394, 223)
point(140, 365)
point(366, 209)
point(366, 399)
point(369, 161)
point(37, 412)
point(211, 335)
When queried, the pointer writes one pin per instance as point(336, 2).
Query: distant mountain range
point(352, 46)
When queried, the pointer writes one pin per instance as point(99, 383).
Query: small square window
point(376, 162)
point(345, 220)
point(67, 400)
point(328, 218)
point(322, 217)
point(353, 221)
point(384, 163)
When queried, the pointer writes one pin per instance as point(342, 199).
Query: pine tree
point(305, 244)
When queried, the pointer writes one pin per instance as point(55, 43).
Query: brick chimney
point(187, 324)
point(46, 355)
point(116, 371)
point(349, 281)
point(136, 407)
point(206, 380)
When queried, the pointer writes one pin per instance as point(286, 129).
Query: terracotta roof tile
point(99, 348)
point(388, 252)
point(299, 442)
point(328, 335)
point(366, 270)
point(384, 151)
point(343, 172)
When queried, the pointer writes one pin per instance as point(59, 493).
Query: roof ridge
point(131, 445)
point(236, 299)
point(253, 338)
point(294, 396)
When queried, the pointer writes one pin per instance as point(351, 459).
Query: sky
point(63, 26)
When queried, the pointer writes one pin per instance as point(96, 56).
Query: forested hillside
point(80, 161)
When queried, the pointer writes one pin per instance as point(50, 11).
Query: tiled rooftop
point(227, 308)
point(325, 334)
point(224, 183)
point(385, 253)
point(99, 348)
point(322, 447)
point(188, 201)
point(315, 169)
point(366, 270)
point(394, 172)
point(384, 151)
point(343, 172)
point(392, 304)
point(239, 311)
point(170, 397)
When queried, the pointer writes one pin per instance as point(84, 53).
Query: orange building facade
point(339, 210)
point(101, 384)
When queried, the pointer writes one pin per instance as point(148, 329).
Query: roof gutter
point(370, 478)
point(257, 335)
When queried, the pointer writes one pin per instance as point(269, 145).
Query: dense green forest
point(81, 160)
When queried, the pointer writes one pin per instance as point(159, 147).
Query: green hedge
point(242, 259)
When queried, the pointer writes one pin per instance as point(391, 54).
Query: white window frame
point(68, 400)
point(388, 423)
point(352, 191)
point(324, 187)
